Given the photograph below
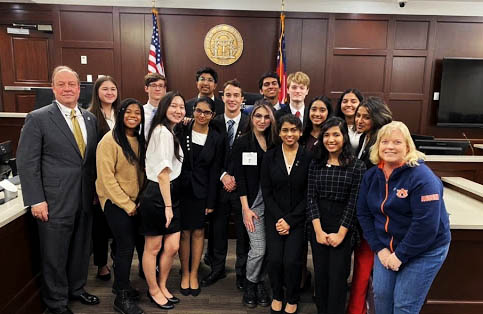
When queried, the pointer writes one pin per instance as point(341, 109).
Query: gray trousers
point(256, 254)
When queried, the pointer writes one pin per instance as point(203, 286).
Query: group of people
point(345, 180)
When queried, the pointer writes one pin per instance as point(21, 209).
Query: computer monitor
point(5, 156)
point(441, 147)
point(45, 96)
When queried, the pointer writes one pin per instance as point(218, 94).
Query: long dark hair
point(321, 154)
point(160, 118)
point(355, 91)
point(95, 106)
point(270, 132)
point(380, 115)
point(119, 134)
point(309, 126)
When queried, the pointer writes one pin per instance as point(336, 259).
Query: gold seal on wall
point(223, 44)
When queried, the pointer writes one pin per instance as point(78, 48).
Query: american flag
point(282, 62)
point(155, 59)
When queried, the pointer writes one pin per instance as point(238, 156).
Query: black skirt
point(151, 209)
point(192, 212)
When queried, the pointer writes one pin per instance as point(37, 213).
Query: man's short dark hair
point(268, 74)
point(209, 71)
point(233, 82)
point(154, 77)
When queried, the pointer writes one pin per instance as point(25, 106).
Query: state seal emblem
point(223, 44)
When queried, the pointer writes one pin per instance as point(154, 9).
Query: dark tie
point(231, 131)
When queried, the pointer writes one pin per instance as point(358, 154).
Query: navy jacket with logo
point(406, 214)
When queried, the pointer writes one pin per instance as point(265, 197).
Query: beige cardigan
point(117, 179)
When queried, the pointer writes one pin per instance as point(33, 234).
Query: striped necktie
point(77, 133)
point(231, 131)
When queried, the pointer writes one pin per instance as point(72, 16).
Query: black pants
point(285, 261)
point(218, 234)
point(65, 245)
point(331, 270)
point(125, 232)
point(100, 236)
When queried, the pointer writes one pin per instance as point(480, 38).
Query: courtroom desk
point(457, 287)
point(10, 126)
point(19, 260)
point(469, 167)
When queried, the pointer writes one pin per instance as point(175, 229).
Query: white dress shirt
point(160, 155)
point(354, 137)
point(78, 114)
point(235, 128)
point(301, 110)
point(148, 116)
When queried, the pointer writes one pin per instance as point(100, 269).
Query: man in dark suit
point(298, 84)
point(56, 164)
point(269, 86)
point(206, 80)
point(231, 124)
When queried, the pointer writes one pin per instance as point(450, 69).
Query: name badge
point(249, 159)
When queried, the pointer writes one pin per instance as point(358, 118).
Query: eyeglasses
point(157, 86)
point(206, 113)
point(261, 116)
point(204, 79)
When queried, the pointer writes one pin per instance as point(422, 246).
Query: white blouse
point(198, 138)
point(354, 137)
point(160, 155)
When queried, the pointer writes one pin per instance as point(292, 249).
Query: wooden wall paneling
point(313, 55)
point(133, 66)
point(117, 47)
point(31, 59)
point(408, 75)
point(293, 44)
point(391, 34)
point(407, 111)
point(354, 33)
point(411, 34)
point(25, 13)
point(25, 102)
point(99, 61)
point(86, 26)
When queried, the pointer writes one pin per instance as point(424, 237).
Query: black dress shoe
point(212, 278)
point(173, 300)
point(195, 292)
point(86, 298)
point(64, 310)
point(166, 306)
point(240, 282)
point(262, 296)
point(250, 295)
point(185, 291)
point(105, 277)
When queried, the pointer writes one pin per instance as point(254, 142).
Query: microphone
point(469, 142)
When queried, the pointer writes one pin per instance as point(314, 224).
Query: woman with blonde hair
point(404, 219)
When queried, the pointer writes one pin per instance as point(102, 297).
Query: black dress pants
point(100, 236)
point(284, 258)
point(218, 234)
point(65, 245)
point(125, 231)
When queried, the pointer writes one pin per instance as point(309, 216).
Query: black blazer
point(286, 110)
point(285, 195)
point(201, 176)
point(247, 177)
point(190, 104)
point(365, 156)
point(220, 124)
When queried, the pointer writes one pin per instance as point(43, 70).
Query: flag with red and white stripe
point(155, 59)
point(282, 62)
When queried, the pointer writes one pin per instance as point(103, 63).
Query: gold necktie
point(78, 133)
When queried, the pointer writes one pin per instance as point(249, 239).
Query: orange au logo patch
point(429, 198)
point(402, 193)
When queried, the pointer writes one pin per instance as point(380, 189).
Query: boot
point(125, 305)
point(262, 296)
point(132, 293)
point(250, 294)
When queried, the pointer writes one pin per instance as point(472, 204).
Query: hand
point(132, 213)
point(282, 225)
point(284, 232)
point(229, 183)
point(248, 216)
point(186, 120)
point(41, 211)
point(321, 237)
point(383, 256)
point(168, 211)
point(334, 239)
point(393, 262)
point(208, 211)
